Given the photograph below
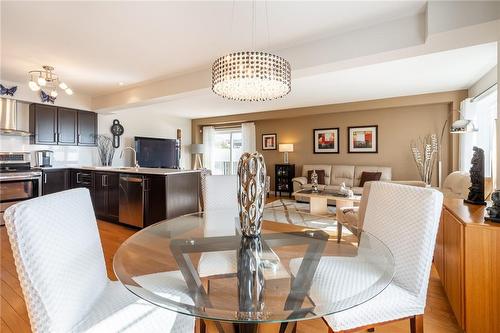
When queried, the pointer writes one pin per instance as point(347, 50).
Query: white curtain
point(208, 146)
point(483, 113)
point(248, 138)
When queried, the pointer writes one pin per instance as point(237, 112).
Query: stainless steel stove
point(18, 181)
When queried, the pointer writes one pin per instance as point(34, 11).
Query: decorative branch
point(424, 152)
point(105, 149)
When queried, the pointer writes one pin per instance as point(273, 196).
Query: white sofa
point(335, 175)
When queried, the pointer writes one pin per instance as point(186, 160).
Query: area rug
point(297, 213)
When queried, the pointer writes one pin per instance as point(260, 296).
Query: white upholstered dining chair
point(220, 202)
point(406, 219)
point(60, 264)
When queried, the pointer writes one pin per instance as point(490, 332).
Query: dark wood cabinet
point(43, 124)
point(53, 125)
point(66, 126)
point(283, 175)
point(54, 181)
point(87, 128)
point(161, 196)
point(106, 195)
point(182, 194)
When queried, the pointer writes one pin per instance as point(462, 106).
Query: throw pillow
point(368, 177)
point(321, 176)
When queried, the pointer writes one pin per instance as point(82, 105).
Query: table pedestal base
point(209, 326)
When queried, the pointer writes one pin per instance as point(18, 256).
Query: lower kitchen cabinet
point(54, 181)
point(106, 195)
point(138, 200)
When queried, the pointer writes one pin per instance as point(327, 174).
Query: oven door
point(12, 191)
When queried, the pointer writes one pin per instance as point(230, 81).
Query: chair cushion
point(321, 176)
point(326, 167)
point(119, 310)
point(342, 174)
point(391, 304)
point(368, 177)
point(358, 171)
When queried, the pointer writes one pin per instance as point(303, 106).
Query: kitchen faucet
point(136, 165)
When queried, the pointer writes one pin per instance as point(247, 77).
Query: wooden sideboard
point(467, 258)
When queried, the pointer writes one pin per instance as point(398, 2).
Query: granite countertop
point(145, 171)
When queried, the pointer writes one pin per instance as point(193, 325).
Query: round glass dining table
point(200, 265)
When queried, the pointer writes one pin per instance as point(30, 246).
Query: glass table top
point(200, 265)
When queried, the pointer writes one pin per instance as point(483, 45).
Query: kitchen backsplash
point(63, 155)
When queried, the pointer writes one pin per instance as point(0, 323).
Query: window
point(483, 112)
point(227, 151)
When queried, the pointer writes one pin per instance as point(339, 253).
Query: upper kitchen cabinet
point(43, 124)
point(66, 126)
point(53, 125)
point(87, 128)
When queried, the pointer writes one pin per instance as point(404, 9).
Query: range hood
point(13, 117)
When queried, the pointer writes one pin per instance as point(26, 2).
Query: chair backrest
point(342, 174)
point(364, 203)
point(58, 257)
point(309, 167)
point(406, 219)
point(221, 192)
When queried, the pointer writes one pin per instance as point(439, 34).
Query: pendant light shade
point(251, 76)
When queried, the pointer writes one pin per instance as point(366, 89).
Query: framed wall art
point(326, 140)
point(269, 141)
point(363, 139)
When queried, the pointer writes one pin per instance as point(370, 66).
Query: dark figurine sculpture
point(476, 190)
point(494, 211)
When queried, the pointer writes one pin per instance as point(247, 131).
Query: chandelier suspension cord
point(253, 24)
point(268, 29)
point(231, 36)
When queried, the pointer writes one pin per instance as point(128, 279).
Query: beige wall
point(396, 128)
point(399, 121)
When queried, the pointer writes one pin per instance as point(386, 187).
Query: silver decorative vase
point(314, 181)
point(251, 193)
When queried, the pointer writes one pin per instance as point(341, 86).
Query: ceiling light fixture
point(47, 78)
point(251, 75)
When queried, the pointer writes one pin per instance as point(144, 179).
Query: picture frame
point(362, 139)
point(269, 141)
point(326, 140)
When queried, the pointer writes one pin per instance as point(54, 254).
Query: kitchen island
point(136, 197)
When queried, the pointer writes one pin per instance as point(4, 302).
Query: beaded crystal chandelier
point(251, 75)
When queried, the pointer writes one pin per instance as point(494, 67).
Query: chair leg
point(417, 324)
point(339, 231)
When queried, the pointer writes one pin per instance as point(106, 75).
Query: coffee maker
point(43, 158)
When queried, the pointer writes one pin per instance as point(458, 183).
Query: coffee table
point(318, 201)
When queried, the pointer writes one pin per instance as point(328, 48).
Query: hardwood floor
point(14, 317)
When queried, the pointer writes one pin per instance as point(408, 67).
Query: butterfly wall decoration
point(7, 91)
point(46, 98)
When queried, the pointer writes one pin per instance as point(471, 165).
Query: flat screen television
point(157, 152)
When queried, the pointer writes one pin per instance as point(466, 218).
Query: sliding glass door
point(227, 151)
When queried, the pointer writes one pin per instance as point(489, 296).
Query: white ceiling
point(95, 45)
point(443, 71)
